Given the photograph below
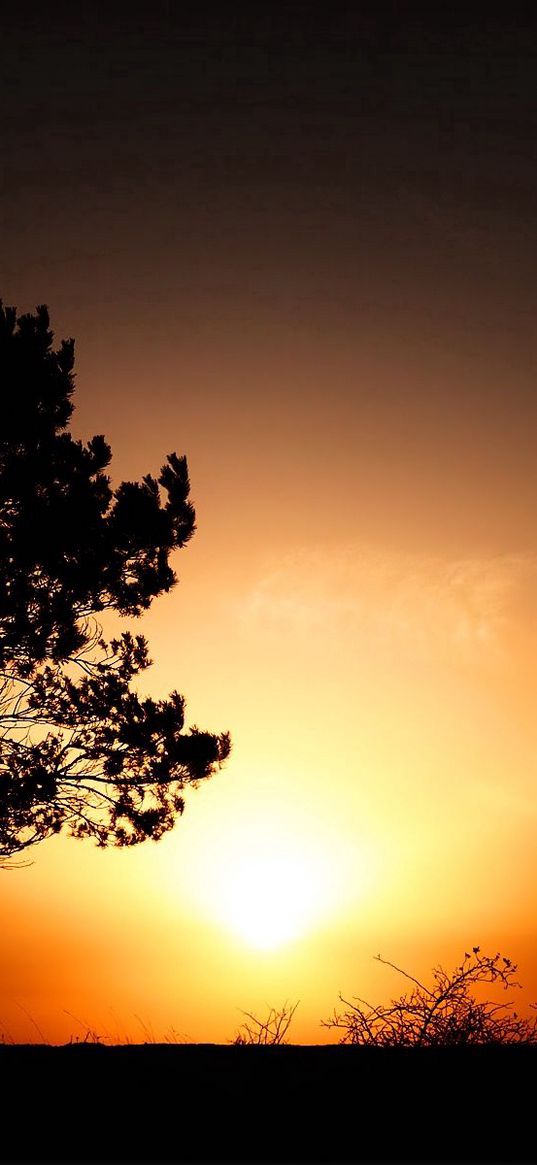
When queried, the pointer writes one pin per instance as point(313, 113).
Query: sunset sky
point(301, 251)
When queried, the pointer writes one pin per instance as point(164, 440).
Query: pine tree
point(79, 748)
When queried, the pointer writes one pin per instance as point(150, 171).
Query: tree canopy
point(80, 749)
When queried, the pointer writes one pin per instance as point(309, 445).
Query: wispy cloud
point(380, 596)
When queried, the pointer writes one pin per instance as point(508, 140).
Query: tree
point(447, 1014)
point(79, 748)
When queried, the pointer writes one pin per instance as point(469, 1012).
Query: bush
point(446, 1014)
point(271, 1030)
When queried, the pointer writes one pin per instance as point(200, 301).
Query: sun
point(268, 880)
point(270, 894)
point(265, 884)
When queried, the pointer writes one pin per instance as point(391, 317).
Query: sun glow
point(269, 876)
point(270, 895)
point(270, 888)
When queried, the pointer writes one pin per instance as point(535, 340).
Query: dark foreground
point(214, 1103)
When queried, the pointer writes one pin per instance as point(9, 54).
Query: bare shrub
point(271, 1030)
point(445, 1014)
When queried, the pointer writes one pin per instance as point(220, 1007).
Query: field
point(187, 1103)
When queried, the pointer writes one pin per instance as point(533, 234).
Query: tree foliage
point(79, 747)
point(445, 1014)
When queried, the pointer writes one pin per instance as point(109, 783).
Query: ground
point(215, 1103)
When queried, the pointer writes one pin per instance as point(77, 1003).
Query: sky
point(300, 249)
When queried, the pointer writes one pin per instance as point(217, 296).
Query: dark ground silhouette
point(189, 1103)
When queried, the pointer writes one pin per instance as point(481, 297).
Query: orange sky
point(350, 368)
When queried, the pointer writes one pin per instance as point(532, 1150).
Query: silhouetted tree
point(79, 748)
point(446, 1014)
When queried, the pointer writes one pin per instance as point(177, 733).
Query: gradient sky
point(302, 251)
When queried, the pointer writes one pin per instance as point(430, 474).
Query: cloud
point(384, 598)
